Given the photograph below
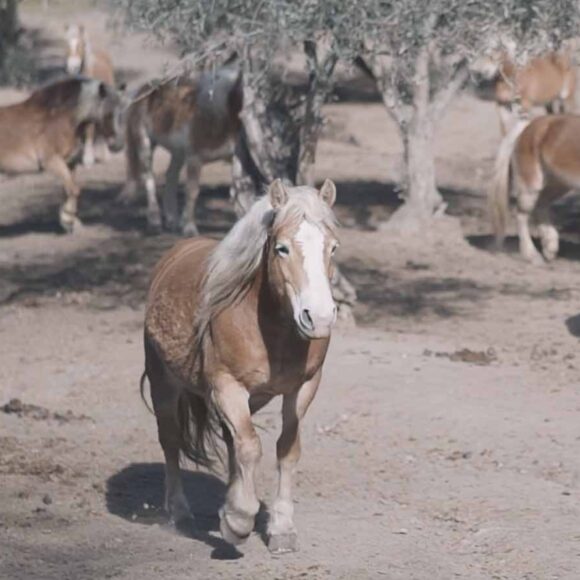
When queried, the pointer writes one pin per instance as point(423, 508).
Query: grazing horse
point(44, 133)
point(83, 59)
point(548, 81)
point(540, 162)
point(229, 326)
point(196, 121)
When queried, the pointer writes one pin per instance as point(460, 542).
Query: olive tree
point(281, 122)
point(420, 53)
point(9, 28)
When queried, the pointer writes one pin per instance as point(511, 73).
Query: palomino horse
point(83, 59)
point(196, 121)
point(230, 325)
point(43, 133)
point(540, 161)
point(548, 81)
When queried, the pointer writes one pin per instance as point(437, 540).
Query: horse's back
point(552, 143)
point(174, 296)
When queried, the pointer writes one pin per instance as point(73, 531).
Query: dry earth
point(443, 443)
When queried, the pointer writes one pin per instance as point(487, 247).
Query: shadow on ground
point(136, 494)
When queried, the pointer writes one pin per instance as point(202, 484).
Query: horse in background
point(539, 162)
point(196, 121)
point(231, 325)
point(82, 59)
point(548, 81)
point(44, 133)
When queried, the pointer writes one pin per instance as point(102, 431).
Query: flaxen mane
point(62, 94)
point(235, 261)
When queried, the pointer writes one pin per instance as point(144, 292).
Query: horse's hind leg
point(89, 146)
point(281, 531)
point(165, 404)
point(548, 233)
point(170, 193)
point(188, 226)
point(527, 198)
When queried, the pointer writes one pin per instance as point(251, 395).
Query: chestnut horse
point(540, 162)
point(229, 326)
point(197, 122)
point(548, 81)
point(83, 59)
point(44, 133)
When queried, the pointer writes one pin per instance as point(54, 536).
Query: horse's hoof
point(190, 230)
point(283, 543)
point(229, 534)
point(71, 225)
point(154, 223)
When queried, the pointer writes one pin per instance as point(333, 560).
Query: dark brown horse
point(228, 327)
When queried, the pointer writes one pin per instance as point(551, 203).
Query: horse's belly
point(19, 163)
point(175, 140)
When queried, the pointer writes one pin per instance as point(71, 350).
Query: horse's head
point(75, 38)
point(301, 244)
point(107, 106)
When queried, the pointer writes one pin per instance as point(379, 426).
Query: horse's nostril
point(306, 319)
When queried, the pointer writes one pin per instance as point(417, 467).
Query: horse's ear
point(328, 192)
point(277, 194)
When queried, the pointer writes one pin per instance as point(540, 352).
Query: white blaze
point(316, 296)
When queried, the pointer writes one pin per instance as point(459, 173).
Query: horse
point(540, 162)
point(548, 81)
point(83, 59)
point(229, 326)
point(44, 132)
point(196, 121)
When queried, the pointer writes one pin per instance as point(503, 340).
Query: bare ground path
point(444, 440)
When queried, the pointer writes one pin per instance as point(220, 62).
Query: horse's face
point(75, 48)
point(300, 266)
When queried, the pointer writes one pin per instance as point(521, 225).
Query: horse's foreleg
point(281, 531)
point(171, 186)
point(68, 211)
point(188, 226)
point(241, 506)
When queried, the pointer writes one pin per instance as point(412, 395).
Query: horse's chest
point(280, 371)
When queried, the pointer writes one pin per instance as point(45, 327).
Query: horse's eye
point(334, 248)
point(282, 250)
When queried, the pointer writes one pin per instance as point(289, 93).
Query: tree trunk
point(421, 188)
point(319, 87)
point(8, 27)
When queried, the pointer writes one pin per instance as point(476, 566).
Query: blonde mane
point(233, 264)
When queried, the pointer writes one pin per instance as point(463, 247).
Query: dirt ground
point(444, 440)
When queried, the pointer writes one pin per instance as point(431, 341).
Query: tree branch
point(444, 97)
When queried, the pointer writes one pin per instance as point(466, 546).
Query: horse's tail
point(199, 426)
point(498, 195)
point(199, 429)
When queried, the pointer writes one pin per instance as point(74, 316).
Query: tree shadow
point(136, 494)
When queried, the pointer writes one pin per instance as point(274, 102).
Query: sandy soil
point(443, 443)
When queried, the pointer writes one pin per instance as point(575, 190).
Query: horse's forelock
point(233, 264)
